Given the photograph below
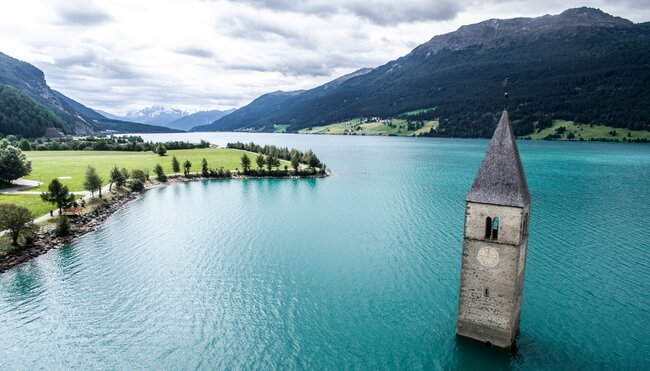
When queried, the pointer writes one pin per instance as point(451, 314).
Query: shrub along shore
point(49, 236)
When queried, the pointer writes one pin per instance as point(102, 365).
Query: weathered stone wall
point(510, 221)
point(495, 317)
point(494, 311)
point(519, 285)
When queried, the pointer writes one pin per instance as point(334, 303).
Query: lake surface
point(358, 270)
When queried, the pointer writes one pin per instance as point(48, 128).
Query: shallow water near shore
point(360, 269)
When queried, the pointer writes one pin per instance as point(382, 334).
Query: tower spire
point(500, 179)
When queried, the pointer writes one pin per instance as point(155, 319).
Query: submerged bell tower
point(494, 244)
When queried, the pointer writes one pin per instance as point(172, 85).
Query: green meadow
point(355, 127)
point(70, 167)
point(280, 128)
point(399, 127)
point(417, 112)
point(587, 132)
point(32, 202)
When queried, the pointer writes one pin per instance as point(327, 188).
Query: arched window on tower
point(488, 228)
point(495, 228)
point(525, 225)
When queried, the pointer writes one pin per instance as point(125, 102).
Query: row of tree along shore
point(293, 155)
point(130, 143)
point(136, 180)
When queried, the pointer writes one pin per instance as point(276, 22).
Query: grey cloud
point(117, 84)
point(381, 12)
point(155, 91)
point(250, 67)
point(306, 68)
point(638, 4)
point(91, 64)
point(322, 65)
point(291, 68)
point(83, 17)
point(85, 59)
point(119, 70)
point(259, 29)
point(318, 7)
point(196, 52)
point(399, 12)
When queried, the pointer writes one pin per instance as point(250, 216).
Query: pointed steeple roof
point(500, 179)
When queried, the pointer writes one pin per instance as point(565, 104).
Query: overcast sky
point(121, 55)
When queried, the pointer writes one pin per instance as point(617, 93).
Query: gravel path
point(22, 184)
point(19, 184)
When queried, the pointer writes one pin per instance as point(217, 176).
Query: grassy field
point(32, 202)
point(280, 128)
point(587, 132)
point(416, 112)
point(70, 166)
point(355, 127)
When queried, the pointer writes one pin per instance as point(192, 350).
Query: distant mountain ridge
point(108, 115)
point(111, 124)
point(260, 112)
point(254, 114)
point(198, 119)
point(155, 115)
point(169, 117)
point(582, 65)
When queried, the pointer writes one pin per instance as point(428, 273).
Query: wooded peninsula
point(46, 196)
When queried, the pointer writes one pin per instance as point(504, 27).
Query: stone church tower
point(494, 245)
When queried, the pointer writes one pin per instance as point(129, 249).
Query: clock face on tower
point(488, 256)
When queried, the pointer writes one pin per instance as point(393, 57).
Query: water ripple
point(359, 270)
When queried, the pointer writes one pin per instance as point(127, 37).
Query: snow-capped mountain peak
point(157, 115)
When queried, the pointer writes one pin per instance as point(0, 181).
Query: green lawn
point(280, 128)
point(32, 202)
point(354, 127)
point(417, 111)
point(588, 132)
point(70, 166)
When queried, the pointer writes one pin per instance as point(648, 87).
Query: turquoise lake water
point(359, 270)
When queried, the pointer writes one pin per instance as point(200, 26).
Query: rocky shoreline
point(46, 239)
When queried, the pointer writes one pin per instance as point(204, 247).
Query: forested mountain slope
point(581, 65)
point(22, 115)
